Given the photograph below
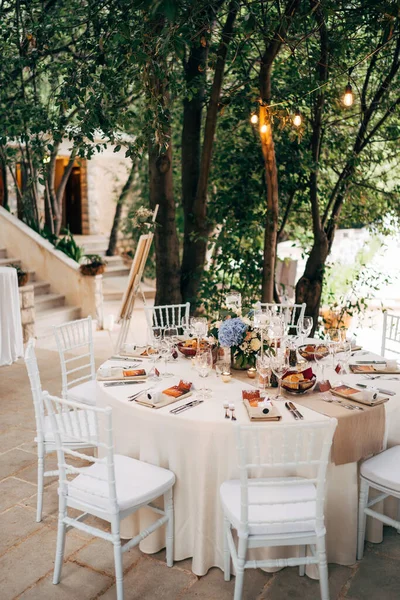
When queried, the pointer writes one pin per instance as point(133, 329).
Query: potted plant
point(92, 265)
point(23, 276)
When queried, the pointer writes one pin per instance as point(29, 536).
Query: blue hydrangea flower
point(232, 332)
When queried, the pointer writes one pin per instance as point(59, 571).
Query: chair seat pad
point(85, 392)
point(137, 482)
point(274, 519)
point(78, 426)
point(383, 469)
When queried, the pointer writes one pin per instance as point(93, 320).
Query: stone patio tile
point(50, 502)
point(213, 586)
point(15, 524)
point(13, 461)
point(100, 556)
point(287, 583)
point(150, 579)
point(390, 545)
point(12, 491)
point(13, 437)
point(30, 473)
point(76, 583)
point(377, 578)
point(30, 560)
point(185, 564)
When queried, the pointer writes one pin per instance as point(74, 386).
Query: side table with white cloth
point(198, 445)
point(11, 342)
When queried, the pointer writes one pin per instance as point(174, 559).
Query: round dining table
point(198, 445)
point(11, 342)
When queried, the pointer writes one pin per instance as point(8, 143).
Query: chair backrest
point(36, 387)
point(71, 337)
point(269, 452)
point(83, 424)
point(292, 312)
point(167, 315)
point(390, 333)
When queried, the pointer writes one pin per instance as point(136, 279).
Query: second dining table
point(198, 445)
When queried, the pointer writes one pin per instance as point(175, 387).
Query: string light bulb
point(264, 128)
point(348, 97)
point(254, 119)
point(297, 119)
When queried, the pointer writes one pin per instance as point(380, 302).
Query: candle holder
point(226, 376)
point(251, 373)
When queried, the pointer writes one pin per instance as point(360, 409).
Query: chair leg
point(302, 554)
point(362, 517)
point(169, 531)
point(40, 483)
point(119, 572)
point(227, 553)
point(241, 558)
point(398, 513)
point(323, 568)
point(60, 541)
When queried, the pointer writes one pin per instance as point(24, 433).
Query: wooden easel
point(134, 284)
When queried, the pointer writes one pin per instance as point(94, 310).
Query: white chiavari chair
point(279, 498)
point(44, 435)
point(292, 312)
point(390, 333)
point(382, 473)
point(167, 315)
point(111, 488)
point(77, 371)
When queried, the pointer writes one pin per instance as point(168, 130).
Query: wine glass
point(165, 350)
point(204, 365)
point(200, 327)
point(345, 349)
point(262, 366)
point(279, 364)
point(186, 327)
point(171, 337)
point(153, 352)
point(320, 356)
point(304, 327)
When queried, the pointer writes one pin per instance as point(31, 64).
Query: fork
point(348, 406)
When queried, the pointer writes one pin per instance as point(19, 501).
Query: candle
point(226, 376)
point(251, 373)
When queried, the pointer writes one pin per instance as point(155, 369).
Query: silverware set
point(125, 358)
point(372, 377)
point(116, 383)
point(180, 409)
point(294, 411)
point(229, 407)
point(336, 401)
point(380, 390)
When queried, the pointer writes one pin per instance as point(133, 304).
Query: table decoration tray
point(350, 393)
point(121, 374)
point(158, 399)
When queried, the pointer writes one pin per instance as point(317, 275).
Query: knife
point(138, 360)
point(292, 406)
point(113, 383)
point(370, 362)
point(291, 411)
point(176, 411)
point(380, 390)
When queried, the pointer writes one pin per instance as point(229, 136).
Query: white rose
point(246, 320)
point(243, 347)
point(218, 324)
point(255, 344)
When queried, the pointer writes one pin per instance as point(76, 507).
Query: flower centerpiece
point(238, 334)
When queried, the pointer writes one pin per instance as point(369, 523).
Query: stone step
point(117, 271)
point(115, 261)
point(47, 319)
point(46, 302)
point(32, 276)
point(114, 288)
point(3, 253)
point(93, 244)
point(4, 262)
point(40, 288)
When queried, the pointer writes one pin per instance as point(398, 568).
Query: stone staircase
point(50, 307)
point(115, 278)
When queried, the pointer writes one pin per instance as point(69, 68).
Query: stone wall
point(27, 306)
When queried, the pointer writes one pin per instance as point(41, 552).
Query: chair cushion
point(305, 511)
point(137, 482)
point(76, 427)
point(384, 469)
point(84, 392)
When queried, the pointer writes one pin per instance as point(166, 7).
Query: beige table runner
point(359, 434)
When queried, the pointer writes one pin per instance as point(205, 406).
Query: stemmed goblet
point(279, 363)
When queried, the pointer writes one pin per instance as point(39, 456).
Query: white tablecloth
point(199, 447)
point(11, 343)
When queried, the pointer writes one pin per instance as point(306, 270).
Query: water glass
point(262, 366)
point(279, 364)
point(204, 365)
point(304, 327)
point(165, 349)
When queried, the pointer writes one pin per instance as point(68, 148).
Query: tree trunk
point(191, 153)
point(272, 214)
point(196, 238)
point(309, 286)
point(112, 244)
point(166, 237)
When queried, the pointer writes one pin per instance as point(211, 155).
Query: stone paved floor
point(27, 548)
